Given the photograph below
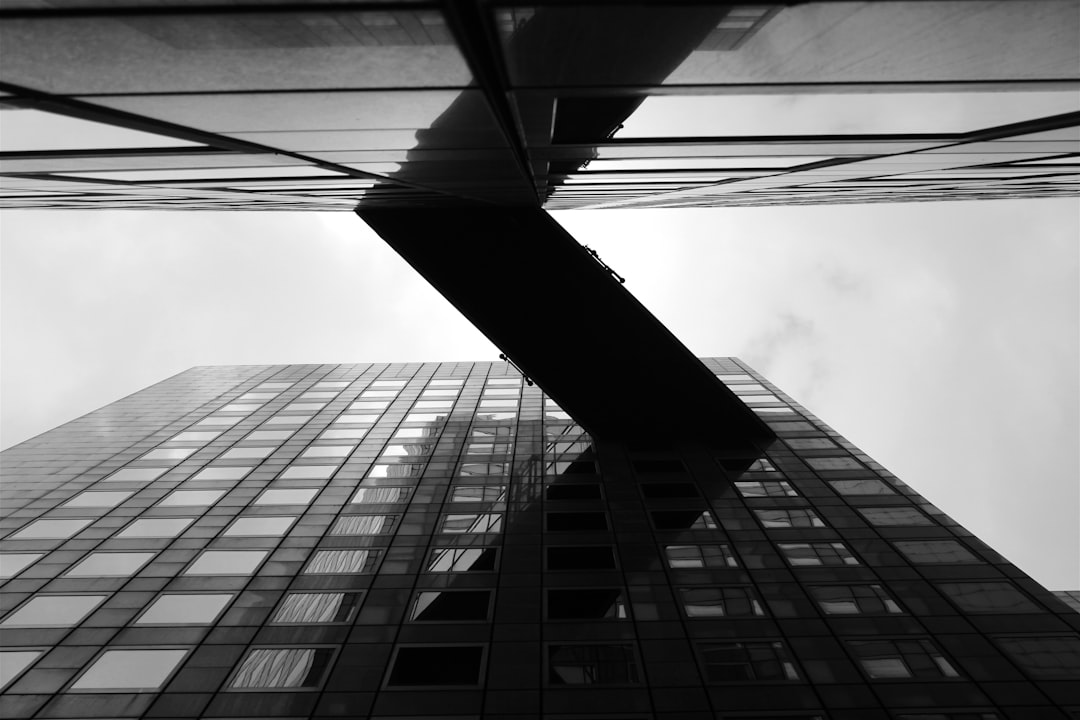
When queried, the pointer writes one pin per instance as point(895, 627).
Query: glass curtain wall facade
point(442, 540)
point(345, 105)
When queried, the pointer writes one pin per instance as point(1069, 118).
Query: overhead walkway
point(567, 323)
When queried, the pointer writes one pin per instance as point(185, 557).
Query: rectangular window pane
point(316, 608)
point(281, 668)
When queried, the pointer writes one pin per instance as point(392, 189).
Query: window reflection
point(281, 668)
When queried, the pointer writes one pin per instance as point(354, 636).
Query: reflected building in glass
point(345, 105)
point(443, 540)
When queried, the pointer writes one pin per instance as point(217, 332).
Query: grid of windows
point(323, 579)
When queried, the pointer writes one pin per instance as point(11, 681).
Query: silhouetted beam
point(541, 298)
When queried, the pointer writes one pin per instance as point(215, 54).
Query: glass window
point(260, 526)
point(810, 443)
point(370, 405)
point(576, 491)
point(395, 470)
point(13, 662)
point(807, 554)
point(130, 670)
point(712, 602)
point(136, 474)
point(462, 560)
point(195, 436)
point(308, 472)
point(110, 564)
point(502, 392)
point(52, 529)
point(407, 450)
point(576, 521)
point(935, 551)
point(592, 665)
point(1045, 657)
point(833, 463)
point(472, 523)
point(854, 600)
point(235, 407)
point(743, 661)
point(683, 520)
point(270, 435)
point(446, 382)
point(321, 451)
point(218, 421)
point(373, 394)
point(247, 453)
point(257, 396)
point(700, 556)
point(318, 395)
point(895, 515)
point(483, 469)
point(478, 493)
point(168, 454)
point(658, 466)
point(998, 597)
point(586, 604)
point(868, 486)
point(287, 496)
point(222, 473)
point(363, 525)
point(11, 564)
point(282, 668)
point(439, 393)
point(377, 495)
point(97, 499)
point(344, 434)
point(771, 488)
point(669, 490)
point(439, 665)
point(351, 419)
point(155, 528)
point(424, 417)
point(227, 562)
point(450, 606)
point(789, 517)
point(191, 498)
point(185, 609)
point(489, 448)
point(330, 385)
point(585, 557)
point(884, 659)
point(274, 386)
point(287, 420)
point(875, 113)
point(333, 562)
point(53, 611)
point(303, 407)
point(310, 607)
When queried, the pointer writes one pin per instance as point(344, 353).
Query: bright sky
point(942, 338)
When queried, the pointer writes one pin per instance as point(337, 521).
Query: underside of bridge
point(569, 325)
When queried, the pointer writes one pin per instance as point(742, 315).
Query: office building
point(443, 540)
point(345, 105)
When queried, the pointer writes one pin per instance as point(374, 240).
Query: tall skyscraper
point(443, 540)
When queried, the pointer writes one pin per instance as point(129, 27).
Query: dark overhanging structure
point(602, 341)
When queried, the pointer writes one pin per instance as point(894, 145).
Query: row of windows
point(60, 528)
point(242, 562)
point(297, 668)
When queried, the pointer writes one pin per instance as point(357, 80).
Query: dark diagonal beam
point(542, 299)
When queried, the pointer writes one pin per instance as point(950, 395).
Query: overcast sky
point(942, 338)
